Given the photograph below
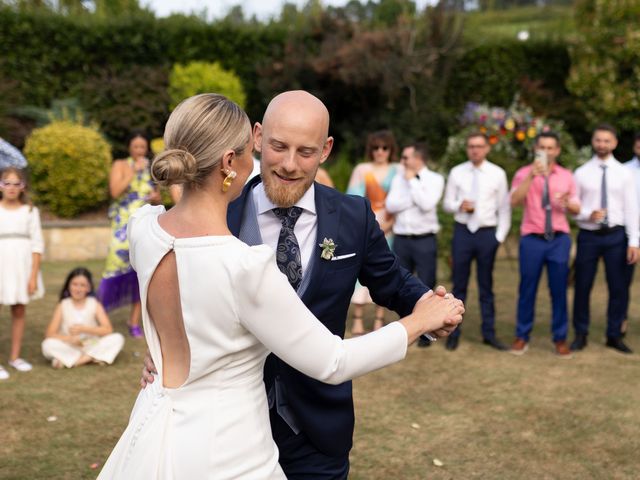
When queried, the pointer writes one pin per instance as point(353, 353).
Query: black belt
point(604, 230)
point(464, 225)
point(542, 237)
point(422, 235)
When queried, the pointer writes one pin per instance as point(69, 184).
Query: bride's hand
point(434, 313)
point(148, 370)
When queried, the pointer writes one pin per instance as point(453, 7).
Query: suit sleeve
point(389, 284)
point(270, 309)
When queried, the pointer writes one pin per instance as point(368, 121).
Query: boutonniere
point(328, 247)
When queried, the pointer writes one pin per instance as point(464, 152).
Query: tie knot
point(288, 216)
point(603, 166)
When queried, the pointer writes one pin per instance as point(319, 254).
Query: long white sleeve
point(504, 210)
point(270, 309)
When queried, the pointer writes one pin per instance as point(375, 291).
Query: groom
point(312, 422)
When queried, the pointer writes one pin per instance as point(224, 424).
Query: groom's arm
point(389, 284)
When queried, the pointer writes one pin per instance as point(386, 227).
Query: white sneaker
point(21, 365)
point(4, 375)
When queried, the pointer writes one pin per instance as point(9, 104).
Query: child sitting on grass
point(80, 331)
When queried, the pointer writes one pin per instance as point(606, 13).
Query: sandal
point(4, 375)
point(357, 328)
point(378, 323)
point(135, 331)
point(21, 365)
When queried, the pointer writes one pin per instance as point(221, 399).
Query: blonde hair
point(197, 134)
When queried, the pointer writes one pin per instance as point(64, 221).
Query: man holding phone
point(547, 192)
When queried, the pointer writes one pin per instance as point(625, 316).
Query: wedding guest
point(548, 192)
point(130, 187)
point(608, 222)
point(413, 199)
point(209, 331)
point(21, 248)
point(634, 168)
point(80, 331)
point(477, 194)
point(372, 180)
point(323, 178)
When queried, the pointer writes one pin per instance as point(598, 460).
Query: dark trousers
point(300, 459)
point(481, 246)
point(419, 255)
point(612, 247)
point(534, 254)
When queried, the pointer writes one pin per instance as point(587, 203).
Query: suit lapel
point(328, 222)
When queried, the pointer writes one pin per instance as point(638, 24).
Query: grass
point(482, 413)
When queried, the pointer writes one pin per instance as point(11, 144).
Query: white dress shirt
point(306, 227)
point(622, 202)
point(634, 166)
point(414, 202)
point(492, 207)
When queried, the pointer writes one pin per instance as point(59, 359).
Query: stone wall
point(76, 240)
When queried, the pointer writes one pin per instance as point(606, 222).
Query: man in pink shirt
point(547, 191)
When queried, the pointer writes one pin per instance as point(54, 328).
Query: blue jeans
point(534, 254)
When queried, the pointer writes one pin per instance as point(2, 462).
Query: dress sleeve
point(35, 232)
point(270, 309)
point(356, 182)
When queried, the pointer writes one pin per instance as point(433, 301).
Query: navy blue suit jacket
point(325, 412)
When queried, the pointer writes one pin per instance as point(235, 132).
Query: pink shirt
point(560, 182)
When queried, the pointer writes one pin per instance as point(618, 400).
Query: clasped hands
point(441, 312)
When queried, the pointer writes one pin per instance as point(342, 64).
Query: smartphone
point(541, 158)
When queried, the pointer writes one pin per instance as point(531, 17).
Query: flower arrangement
point(511, 132)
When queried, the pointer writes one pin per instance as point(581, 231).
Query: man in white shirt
point(634, 167)
point(413, 199)
point(478, 195)
point(609, 223)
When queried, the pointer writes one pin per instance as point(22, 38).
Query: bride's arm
point(271, 310)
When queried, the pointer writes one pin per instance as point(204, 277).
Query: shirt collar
point(481, 168)
point(264, 205)
point(607, 161)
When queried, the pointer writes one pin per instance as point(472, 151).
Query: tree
point(605, 72)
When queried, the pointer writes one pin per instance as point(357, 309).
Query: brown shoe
point(519, 346)
point(562, 349)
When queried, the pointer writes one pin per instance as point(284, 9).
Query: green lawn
point(482, 413)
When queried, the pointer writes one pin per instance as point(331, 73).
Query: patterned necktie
point(546, 204)
point(603, 196)
point(473, 223)
point(288, 252)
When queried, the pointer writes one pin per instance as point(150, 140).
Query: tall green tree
point(605, 72)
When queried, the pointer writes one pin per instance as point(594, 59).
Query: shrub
point(69, 167)
point(202, 77)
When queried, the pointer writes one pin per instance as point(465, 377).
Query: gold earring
point(226, 183)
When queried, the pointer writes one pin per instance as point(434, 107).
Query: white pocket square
point(342, 257)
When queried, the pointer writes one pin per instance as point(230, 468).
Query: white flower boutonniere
point(328, 247)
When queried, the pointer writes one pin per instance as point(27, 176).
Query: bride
point(213, 308)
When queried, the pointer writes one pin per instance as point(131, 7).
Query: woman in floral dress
point(131, 187)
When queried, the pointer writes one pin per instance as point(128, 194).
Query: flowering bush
point(511, 133)
point(69, 167)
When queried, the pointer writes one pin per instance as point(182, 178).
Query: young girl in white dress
point(213, 308)
point(21, 247)
point(80, 331)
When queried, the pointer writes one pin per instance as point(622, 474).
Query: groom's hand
point(148, 370)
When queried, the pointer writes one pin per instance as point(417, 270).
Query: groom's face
point(292, 148)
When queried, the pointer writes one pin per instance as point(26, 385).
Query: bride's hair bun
point(174, 166)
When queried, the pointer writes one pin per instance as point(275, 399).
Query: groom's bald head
point(293, 140)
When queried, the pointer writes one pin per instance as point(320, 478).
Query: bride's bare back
point(163, 304)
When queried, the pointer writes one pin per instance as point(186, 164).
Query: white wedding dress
point(237, 307)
